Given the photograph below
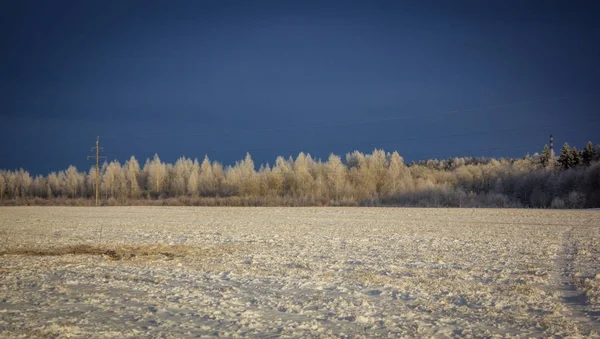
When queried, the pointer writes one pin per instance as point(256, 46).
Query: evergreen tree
point(565, 159)
point(575, 156)
point(545, 157)
point(588, 154)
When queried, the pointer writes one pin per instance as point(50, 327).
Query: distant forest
point(571, 179)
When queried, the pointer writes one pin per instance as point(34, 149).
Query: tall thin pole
point(97, 149)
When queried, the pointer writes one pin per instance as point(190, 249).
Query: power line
point(377, 143)
point(348, 122)
point(341, 123)
point(417, 138)
point(98, 149)
point(472, 150)
point(331, 124)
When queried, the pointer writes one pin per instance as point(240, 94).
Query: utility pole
point(98, 149)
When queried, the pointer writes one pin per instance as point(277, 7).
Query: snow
point(297, 272)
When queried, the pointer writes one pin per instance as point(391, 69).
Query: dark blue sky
point(426, 78)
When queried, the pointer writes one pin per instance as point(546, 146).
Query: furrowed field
point(298, 272)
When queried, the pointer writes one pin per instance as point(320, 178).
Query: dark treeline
point(569, 180)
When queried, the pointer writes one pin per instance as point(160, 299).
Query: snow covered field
point(298, 272)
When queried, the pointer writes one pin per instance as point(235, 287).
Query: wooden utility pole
point(98, 149)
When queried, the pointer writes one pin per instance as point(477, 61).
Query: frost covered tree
point(566, 157)
point(206, 181)
point(303, 184)
point(588, 154)
point(218, 175)
point(52, 185)
point(37, 188)
point(75, 182)
point(179, 177)
point(263, 174)
point(19, 183)
point(575, 156)
point(194, 179)
point(91, 180)
point(282, 177)
point(242, 177)
point(378, 177)
point(12, 185)
point(545, 157)
point(62, 182)
point(132, 174)
point(2, 185)
point(113, 180)
point(395, 175)
point(359, 175)
point(156, 173)
point(377, 170)
point(335, 177)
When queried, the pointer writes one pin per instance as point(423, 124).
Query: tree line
point(571, 180)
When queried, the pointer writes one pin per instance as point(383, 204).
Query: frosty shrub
point(558, 203)
point(576, 200)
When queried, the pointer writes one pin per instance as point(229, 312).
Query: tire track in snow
point(574, 300)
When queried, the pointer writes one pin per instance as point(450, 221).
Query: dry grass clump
point(130, 251)
point(590, 287)
point(113, 252)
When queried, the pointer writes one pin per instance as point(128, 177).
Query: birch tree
point(218, 176)
point(157, 172)
point(396, 174)
point(113, 180)
point(206, 180)
point(193, 179)
point(74, 181)
point(335, 176)
point(281, 177)
point(303, 183)
point(132, 173)
point(178, 179)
